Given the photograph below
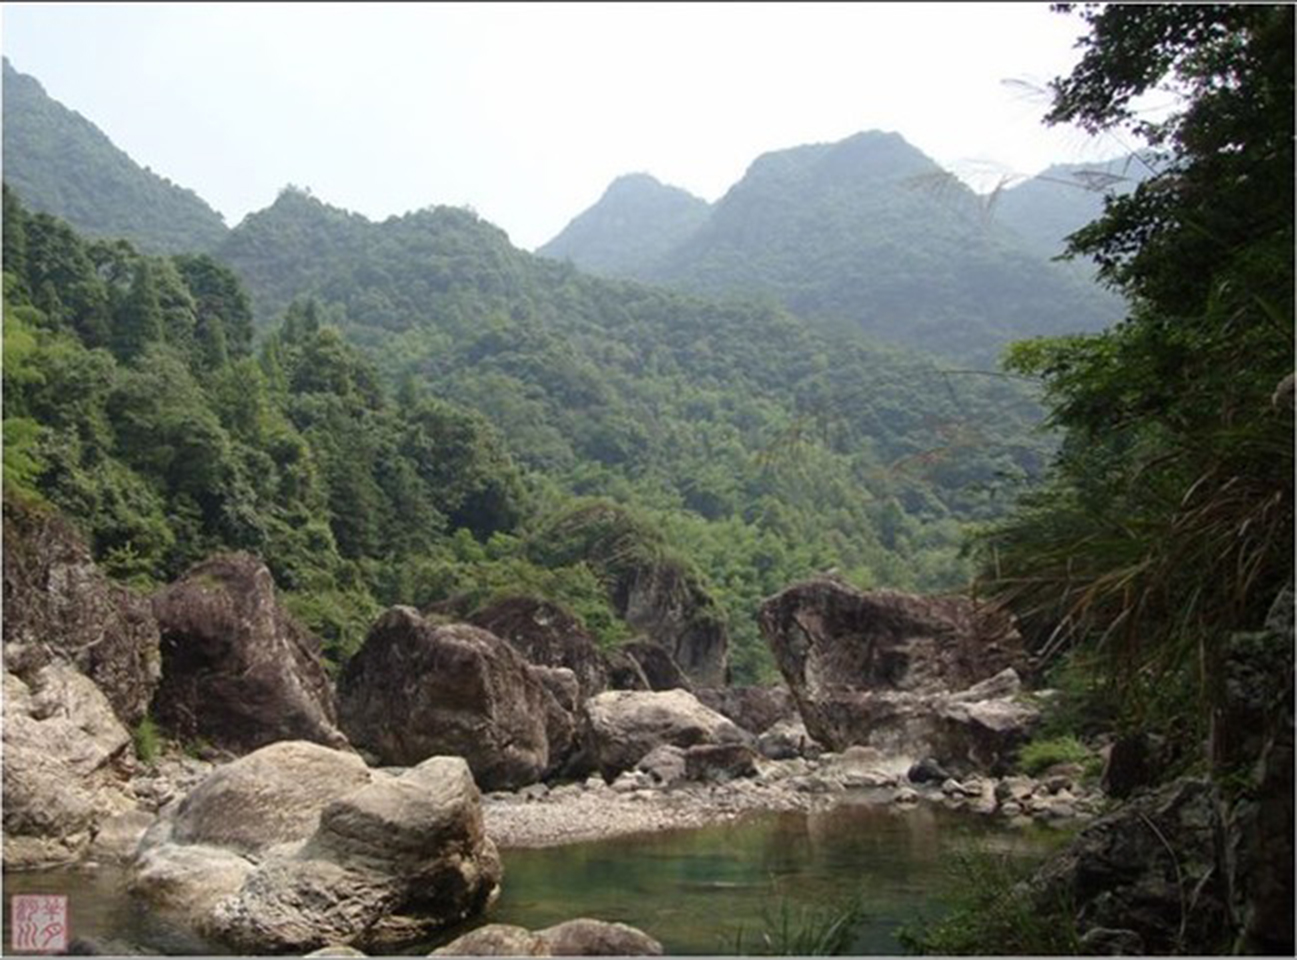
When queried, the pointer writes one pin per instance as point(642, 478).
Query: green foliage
point(62, 164)
point(790, 930)
point(755, 448)
point(147, 740)
point(1168, 521)
point(165, 450)
point(1039, 755)
point(994, 913)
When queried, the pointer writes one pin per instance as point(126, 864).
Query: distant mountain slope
point(1060, 200)
point(871, 234)
point(636, 223)
point(60, 163)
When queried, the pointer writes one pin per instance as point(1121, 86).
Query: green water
point(713, 891)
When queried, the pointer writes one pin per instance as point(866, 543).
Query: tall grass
point(995, 913)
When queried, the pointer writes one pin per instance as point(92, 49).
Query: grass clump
point(994, 913)
point(1039, 755)
point(148, 741)
point(790, 930)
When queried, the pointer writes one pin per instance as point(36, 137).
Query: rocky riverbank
point(639, 802)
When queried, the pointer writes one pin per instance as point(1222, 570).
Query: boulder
point(561, 715)
point(575, 938)
point(389, 864)
point(719, 762)
point(300, 847)
point(664, 765)
point(238, 671)
point(58, 606)
point(755, 709)
point(927, 770)
point(548, 636)
point(827, 636)
point(62, 746)
point(596, 938)
point(1148, 868)
point(495, 940)
point(660, 668)
point(269, 797)
point(787, 739)
point(912, 675)
point(622, 726)
point(416, 690)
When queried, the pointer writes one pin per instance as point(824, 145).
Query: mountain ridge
point(61, 163)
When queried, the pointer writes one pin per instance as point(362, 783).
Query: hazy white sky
point(527, 111)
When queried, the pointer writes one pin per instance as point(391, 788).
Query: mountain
point(60, 163)
point(634, 224)
point(869, 233)
point(763, 448)
point(1060, 200)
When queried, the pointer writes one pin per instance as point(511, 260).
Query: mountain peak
point(636, 221)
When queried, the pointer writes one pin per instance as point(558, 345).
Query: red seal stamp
point(39, 922)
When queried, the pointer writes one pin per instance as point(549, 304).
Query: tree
point(1168, 522)
point(137, 321)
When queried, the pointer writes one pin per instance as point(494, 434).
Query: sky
point(526, 112)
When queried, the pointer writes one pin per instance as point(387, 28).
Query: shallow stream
point(716, 890)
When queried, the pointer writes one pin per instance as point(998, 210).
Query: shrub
point(1039, 755)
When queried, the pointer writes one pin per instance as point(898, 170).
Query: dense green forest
point(866, 234)
point(1167, 520)
point(61, 163)
point(736, 441)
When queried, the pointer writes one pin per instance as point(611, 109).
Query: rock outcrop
point(622, 726)
point(1252, 750)
point(665, 604)
point(548, 636)
point(238, 671)
point(1148, 871)
point(919, 676)
point(416, 690)
point(296, 846)
point(59, 606)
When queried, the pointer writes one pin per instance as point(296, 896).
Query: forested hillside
point(61, 163)
point(869, 234)
point(766, 450)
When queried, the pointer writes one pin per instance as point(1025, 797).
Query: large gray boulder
point(269, 797)
point(300, 847)
point(622, 726)
point(918, 676)
point(238, 671)
point(63, 746)
point(415, 690)
point(389, 864)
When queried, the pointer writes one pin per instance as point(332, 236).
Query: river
point(716, 890)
